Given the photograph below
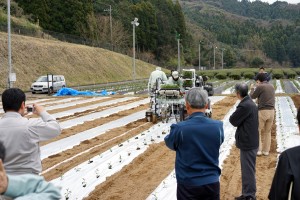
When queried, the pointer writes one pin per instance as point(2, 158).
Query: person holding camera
point(21, 136)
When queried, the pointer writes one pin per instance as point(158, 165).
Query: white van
point(41, 84)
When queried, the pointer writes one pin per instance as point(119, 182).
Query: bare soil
point(94, 123)
point(149, 169)
point(265, 167)
point(105, 141)
point(138, 179)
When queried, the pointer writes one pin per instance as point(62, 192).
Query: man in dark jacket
point(245, 118)
point(286, 181)
point(262, 71)
point(197, 142)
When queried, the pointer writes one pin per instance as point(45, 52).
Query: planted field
point(107, 150)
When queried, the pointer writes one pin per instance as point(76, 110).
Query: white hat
point(175, 74)
point(158, 68)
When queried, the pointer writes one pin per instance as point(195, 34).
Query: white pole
point(9, 45)
point(222, 58)
point(110, 24)
point(199, 55)
point(214, 58)
point(134, 52)
point(110, 20)
point(178, 46)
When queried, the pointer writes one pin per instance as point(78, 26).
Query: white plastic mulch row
point(295, 86)
point(69, 142)
point(287, 136)
point(28, 103)
point(80, 120)
point(64, 104)
point(297, 83)
point(89, 107)
point(278, 87)
point(153, 133)
point(228, 90)
point(81, 180)
point(167, 188)
point(60, 101)
point(287, 131)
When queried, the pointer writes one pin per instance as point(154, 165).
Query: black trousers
point(248, 163)
point(204, 192)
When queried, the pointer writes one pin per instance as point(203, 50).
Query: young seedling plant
point(67, 194)
point(97, 173)
point(109, 165)
point(83, 182)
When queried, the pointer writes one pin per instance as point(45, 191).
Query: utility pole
point(134, 24)
point(178, 47)
point(199, 55)
point(222, 59)
point(215, 56)
point(10, 84)
point(110, 22)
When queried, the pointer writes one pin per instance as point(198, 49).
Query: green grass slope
point(81, 65)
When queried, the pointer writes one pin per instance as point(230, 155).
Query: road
point(289, 87)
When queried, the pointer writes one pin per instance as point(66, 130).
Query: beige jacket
point(21, 137)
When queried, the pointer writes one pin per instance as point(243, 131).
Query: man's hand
point(37, 109)
point(3, 178)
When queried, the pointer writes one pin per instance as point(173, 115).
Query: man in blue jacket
point(245, 118)
point(197, 142)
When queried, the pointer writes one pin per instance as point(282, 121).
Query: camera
point(30, 109)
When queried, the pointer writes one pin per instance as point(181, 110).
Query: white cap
point(175, 74)
point(158, 68)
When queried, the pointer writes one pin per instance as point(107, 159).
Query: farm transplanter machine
point(167, 101)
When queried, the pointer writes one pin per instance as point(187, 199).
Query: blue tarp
point(69, 91)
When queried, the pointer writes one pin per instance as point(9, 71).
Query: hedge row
point(249, 73)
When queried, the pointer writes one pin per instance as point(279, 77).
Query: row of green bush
point(249, 73)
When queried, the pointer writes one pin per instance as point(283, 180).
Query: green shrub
point(278, 73)
point(249, 75)
point(211, 74)
point(221, 75)
point(235, 75)
point(289, 73)
point(297, 70)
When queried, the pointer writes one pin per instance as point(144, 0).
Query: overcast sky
point(289, 1)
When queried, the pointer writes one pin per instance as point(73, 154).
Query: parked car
point(42, 83)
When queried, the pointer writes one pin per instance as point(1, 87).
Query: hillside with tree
point(249, 31)
point(245, 33)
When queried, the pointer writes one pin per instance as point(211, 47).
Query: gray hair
point(197, 98)
point(242, 89)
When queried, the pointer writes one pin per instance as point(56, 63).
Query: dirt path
point(265, 168)
point(138, 179)
point(94, 123)
point(231, 173)
point(149, 169)
point(98, 144)
point(289, 87)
